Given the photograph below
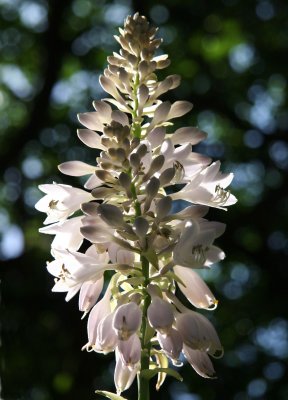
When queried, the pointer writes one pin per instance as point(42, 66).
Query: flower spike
point(126, 215)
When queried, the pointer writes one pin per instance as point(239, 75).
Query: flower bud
point(166, 176)
point(140, 227)
point(112, 215)
point(142, 150)
point(156, 164)
point(160, 315)
point(163, 206)
point(127, 320)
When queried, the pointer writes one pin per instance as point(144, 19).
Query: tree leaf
point(109, 395)
point(149, 373)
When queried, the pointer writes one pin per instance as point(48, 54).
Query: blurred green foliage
point(231, 55)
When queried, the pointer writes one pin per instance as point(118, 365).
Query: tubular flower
point(126, 216)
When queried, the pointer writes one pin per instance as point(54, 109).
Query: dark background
point(231, 55)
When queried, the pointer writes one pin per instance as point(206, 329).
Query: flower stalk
point(143, 383)
point(128, 219)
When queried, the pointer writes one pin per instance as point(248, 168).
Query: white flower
point(60, 201)
point(194, 248)
point(73, 269)
point(208, 188)
point(67, 234)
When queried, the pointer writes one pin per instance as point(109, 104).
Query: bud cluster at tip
point(126, 214)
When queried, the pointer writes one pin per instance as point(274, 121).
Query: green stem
point(143, 383)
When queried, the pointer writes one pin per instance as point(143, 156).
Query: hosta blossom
point(124, 219)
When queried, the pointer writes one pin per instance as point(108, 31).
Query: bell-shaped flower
point(81, 267)
point(130, 350)
point(89, 294)
point(98, 312)
point(199, 361)
point(171, 343)
point(160, 315)
point(77, 268)
point(60, 201)
point(127, 320)
point(208, 188)
point(198, 333)
point(68, 235)
point(195, 289)
point(107, 339)
point(194, 248)
point(123, 375)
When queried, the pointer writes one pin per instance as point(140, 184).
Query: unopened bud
point(160, 315)
point(127, 320)
point(112, 215)
point(156, 164)
point(105, 176)
point(142, 150)
point(125, 180)
point(90, 208)
point(166, 177)
point(163, 206)
point(140, 227)
point(135, 161)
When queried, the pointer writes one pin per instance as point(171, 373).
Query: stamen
point(221, 195)
point(199, 253)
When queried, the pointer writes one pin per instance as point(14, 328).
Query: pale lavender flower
point(123, 375)
point(171, 343)
point(127, 320)
point(160, 315)
point(96, 315)
point(89, 294)
point(199, 361)
point(107, 339)
point(198, 333)
point(130, 351)
point(195, 289)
